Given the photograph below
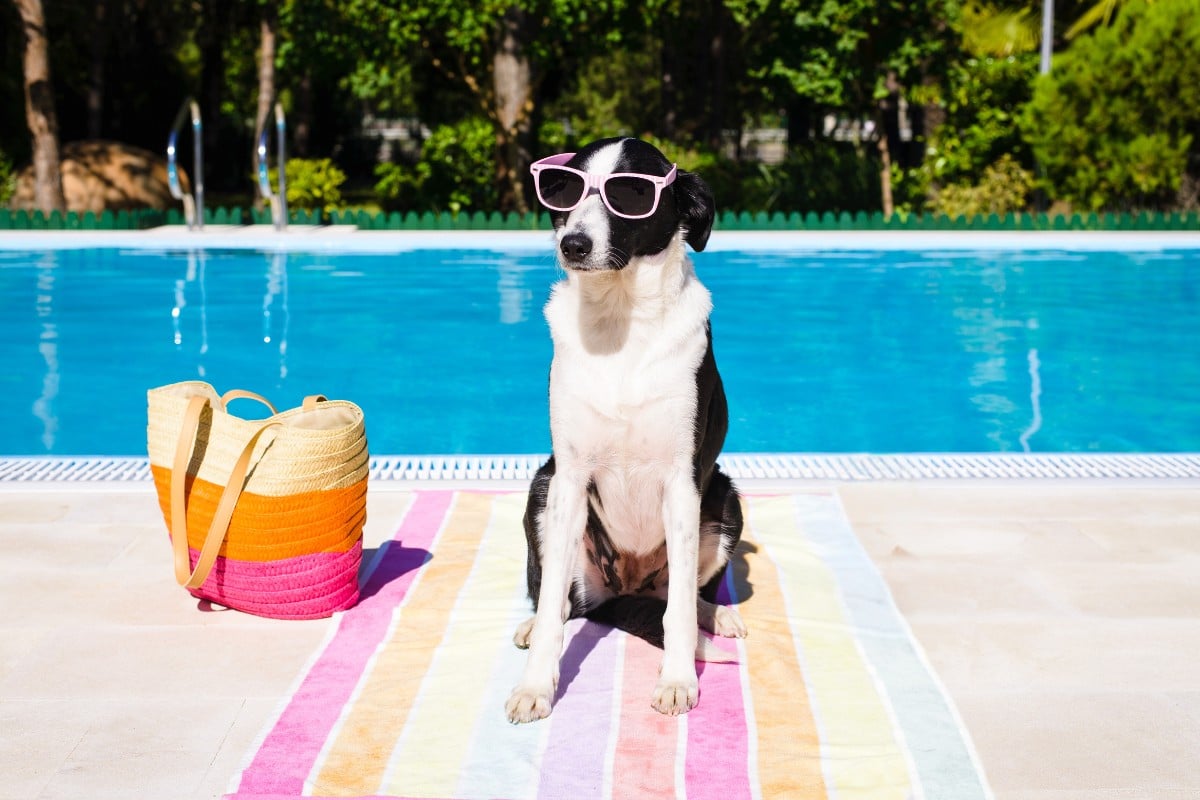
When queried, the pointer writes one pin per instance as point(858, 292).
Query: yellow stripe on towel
point(427, 759)
point(858, 747)
point(358, 759)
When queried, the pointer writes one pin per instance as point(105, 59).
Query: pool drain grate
point(740, 466)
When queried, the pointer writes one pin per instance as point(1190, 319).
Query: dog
point(629, 522)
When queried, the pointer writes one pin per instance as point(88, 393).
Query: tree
point(856, 56)
point(268, 24)
point(494, 54)
point(1114, 124)
point(39, 108)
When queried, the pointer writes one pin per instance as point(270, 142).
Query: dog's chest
point(632, 408)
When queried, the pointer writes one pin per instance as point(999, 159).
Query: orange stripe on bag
point(265, 515)
point(269, 528)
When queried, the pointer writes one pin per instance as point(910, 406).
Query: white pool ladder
point(193, 204)
point(278, 201)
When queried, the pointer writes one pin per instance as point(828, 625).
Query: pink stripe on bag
point(304, 587)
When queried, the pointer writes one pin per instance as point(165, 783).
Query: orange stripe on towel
point(363, 745)
point(788, 746)
point(271, 528)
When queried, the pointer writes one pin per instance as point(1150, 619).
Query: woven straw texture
point(325, 448)
point(294, 543)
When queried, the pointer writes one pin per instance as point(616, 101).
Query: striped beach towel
point(830, 696)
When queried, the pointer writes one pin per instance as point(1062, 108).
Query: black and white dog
point(637, 418)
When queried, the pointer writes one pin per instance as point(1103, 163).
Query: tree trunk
point(887, 124)
point(514, 103)
point(885, 174)
point(266, 85)
point(95, 89)
point(39, 109)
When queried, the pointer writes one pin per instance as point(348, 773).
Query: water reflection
point(515, 297)
point(196, 261)
point(44, 406)
point(1035, 399)
point(275, 315)
point(277, 289)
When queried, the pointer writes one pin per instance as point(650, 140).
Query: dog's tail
point(642, 616)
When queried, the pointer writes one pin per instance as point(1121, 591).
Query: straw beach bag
point(265, 516)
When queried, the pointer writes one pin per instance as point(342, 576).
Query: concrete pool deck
point(1063, 617)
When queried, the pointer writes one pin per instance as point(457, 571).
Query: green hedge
point(729, 221)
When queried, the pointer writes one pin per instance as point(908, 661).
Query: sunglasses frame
point(596, 181)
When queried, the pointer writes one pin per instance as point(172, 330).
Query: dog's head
point(591, 236)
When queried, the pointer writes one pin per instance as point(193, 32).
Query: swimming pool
point(838, 351)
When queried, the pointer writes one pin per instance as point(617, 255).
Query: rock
point(99, 175)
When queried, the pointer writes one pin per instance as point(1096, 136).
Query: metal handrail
point(278, 201)
point(193, 204)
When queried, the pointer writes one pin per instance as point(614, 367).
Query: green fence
point(729, 221)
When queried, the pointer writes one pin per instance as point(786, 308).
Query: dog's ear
point(694, 201)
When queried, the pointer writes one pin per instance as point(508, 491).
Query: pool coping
point(349, 239)
point(25, 471)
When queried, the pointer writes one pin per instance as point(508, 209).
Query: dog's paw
point(675, 697)
point(524, 631)
point(527, 705)
point(727, 622)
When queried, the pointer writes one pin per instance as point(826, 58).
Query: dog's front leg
point(678, 688)
point(560, 530)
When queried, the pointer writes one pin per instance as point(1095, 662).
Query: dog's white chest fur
point(627, 345)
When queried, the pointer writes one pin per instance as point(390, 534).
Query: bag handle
point(237, 394)
point(184, 575)
point(310, 402)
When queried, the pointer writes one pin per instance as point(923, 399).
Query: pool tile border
point(17, 471)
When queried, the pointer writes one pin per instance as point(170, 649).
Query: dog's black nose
point(575, 246)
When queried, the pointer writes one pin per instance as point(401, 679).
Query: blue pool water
point(447, 350)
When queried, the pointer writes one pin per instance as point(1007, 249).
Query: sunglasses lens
point(631, 196)
point(559, 189)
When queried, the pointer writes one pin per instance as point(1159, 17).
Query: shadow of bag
point(266, 515)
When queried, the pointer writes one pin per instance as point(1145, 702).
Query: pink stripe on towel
point(718, 759)
point(644, 766)
point(289, 752)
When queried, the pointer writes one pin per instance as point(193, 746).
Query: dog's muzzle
point(575, 248)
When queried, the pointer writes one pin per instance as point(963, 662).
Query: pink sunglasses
point(626, 194)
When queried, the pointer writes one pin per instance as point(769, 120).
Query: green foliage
point(615, 94)
point(312, 184)
point(1005, 187)
point(1113, 125)
point(982, 100)
point(8, 179)
point(455, 172)
point(839, 53)
point(991, 30)
point(1117, 125)
point(815, 176)
point(1099, 14)
point(363, 47)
